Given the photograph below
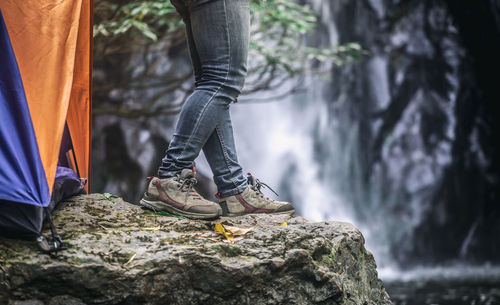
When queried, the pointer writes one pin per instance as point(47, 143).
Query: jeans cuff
point(167, 174)
point(234, 191)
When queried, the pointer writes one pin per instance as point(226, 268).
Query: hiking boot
point(176, 195)
point(252, 201)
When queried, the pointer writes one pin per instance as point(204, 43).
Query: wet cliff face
point(419, 122)
point(472, 182)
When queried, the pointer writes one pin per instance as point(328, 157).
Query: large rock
point(119, 253)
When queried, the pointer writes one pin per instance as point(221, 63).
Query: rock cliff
point(119, 253)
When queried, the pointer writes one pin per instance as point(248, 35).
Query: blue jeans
point(217, 35)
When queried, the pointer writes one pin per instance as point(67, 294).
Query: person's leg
point(175, 193)
point(218, 37)
point(183, 11)
point(221, 155)
point(219, 32)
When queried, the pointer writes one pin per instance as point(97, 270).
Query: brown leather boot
point(252, 201)
point(176, 195)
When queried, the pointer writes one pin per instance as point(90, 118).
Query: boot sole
point(291, 212)
point(161, 206)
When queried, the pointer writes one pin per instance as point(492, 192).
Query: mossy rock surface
point(119, 253)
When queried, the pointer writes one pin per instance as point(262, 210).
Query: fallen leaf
point(232, 240)
point(222, 230)
point(238, 231)
point(110, 196)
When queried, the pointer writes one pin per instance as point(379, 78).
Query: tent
point(45, 108)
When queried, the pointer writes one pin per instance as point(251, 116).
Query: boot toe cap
point(287, 207)
point(206, 209)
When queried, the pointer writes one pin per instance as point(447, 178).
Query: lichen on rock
point(119, 253)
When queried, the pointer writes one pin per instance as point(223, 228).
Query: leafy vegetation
point(134, 40)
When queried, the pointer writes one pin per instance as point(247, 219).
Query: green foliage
point(132, 39)
point(278, 27)
point(278, 32)
point(145, 18)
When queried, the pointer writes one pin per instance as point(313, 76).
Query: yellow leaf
point(284, 224)
point(237, 230)
point(222, 230)
point(232, 240)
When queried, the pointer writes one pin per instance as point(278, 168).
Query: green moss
point(77, 261)
point(127, 256)
point(181, 240)
point(94, 211)
point(72, 246)
point(228, 250)
point(146, 214)
point(118, 257)
point(329, 259)
point(4, 254)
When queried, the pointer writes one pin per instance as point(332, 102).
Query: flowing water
point(312, 147)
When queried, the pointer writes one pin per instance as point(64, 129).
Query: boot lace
point(187, 185)
point(257, 185)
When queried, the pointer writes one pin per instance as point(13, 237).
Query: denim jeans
point(217, 34)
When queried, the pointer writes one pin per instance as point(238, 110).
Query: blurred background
point(382, 113)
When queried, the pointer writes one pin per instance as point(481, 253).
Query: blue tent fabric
point(22, 176)
point(20, 220)
point(26, 221)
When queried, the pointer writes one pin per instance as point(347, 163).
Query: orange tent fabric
point(52, 40)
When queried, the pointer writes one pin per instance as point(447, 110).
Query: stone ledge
point(119, 253)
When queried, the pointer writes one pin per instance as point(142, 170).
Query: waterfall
point(309, 155)
point(279, 147)
point(319, 148)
